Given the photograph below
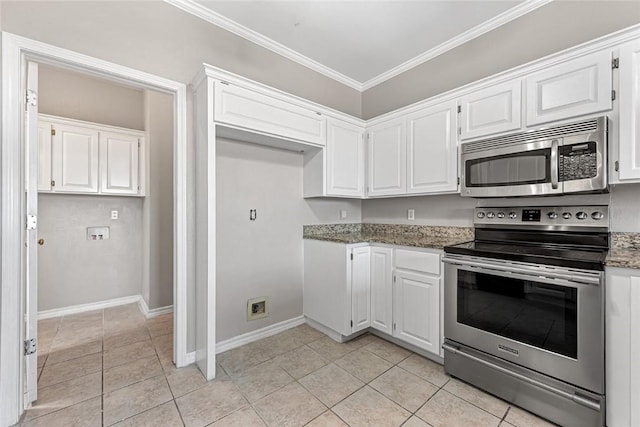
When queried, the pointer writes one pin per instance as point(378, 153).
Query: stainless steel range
point(524, 309)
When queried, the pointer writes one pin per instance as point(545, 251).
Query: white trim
point(191, 358)
point(215, 18)
point(265, 332)
point(82, 308)
point(221, 21)
point(14, 50)
point(150, 313)
point(460, 39)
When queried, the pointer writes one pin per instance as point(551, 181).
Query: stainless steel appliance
point(524, 309)
point(570, 158)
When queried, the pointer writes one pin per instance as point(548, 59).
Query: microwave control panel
point(582, 216)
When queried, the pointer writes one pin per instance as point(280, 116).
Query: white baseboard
point(243, 339)
point(191, 358)
point(81, 308)
point(154, 312)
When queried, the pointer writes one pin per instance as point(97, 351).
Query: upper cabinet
point(86, 158)
point(345, 159)
point(629, 148)
point(574, 88)
point(387, 158)
point(491, 110)
point(432, 155)
point(264, 113)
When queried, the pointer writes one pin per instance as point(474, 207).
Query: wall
point(73, 270)
point(64, 93)
point(548, 29)
point(157, 283)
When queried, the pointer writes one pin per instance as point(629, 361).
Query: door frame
point(15, 51)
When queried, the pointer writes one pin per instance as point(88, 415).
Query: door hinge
point(32, 98)
point(31, 222)
point(459, 131)
point(613, 95)
point(616, 166)
point(138, 144)
point(394, 326)
point(394, 278)
point(30, 346)
point(53, 132)
point(53, 183)
point(458, 180)
point(615, 63)
point(351, 256)
point(352, 323)
point(459, 108)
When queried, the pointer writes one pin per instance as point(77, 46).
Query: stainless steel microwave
point(569, 158)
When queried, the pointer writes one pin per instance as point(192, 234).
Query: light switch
point(114, 214)
point(411, 214)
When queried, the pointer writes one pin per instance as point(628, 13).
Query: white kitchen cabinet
point(382, 289)
point(387, 158)
point(44, 156)
point(119, 162)
point(265, 113)
point(491, 110)
point(360, 288)
point(432, 154)
point(574, 88)
point(345, 159)
point(629, 95)
point(622, 335)
point(74, 159)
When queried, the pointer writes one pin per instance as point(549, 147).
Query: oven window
point(529, 167)
point(534, 313)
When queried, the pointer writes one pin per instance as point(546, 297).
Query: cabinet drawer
point(427, 262)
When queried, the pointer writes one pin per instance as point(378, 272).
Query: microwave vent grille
point(535, 135)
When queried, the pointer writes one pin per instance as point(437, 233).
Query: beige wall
point(551, 28)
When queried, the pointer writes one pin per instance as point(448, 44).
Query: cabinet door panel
point(382, 289)
point(360, 289)
point(492, 110)
point(387, 159)
point(417, 315)
point(345, 159)
point(432, 161)
point(578, 87)
point(629, 148)
point(44, 156)
point(75, 159)
point(119, 163)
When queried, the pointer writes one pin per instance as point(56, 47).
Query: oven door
point(547, 319)
point(525, 169)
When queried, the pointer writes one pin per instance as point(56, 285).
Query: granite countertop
point(625, 251)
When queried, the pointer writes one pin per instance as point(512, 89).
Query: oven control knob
point(500, 214)
point(597, 215)
point(552, 215)
point(480, 215)
point(490, 214)
point(513, 215)
point(566, 215)
point(581, 215)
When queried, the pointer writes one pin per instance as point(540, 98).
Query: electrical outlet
point(411, 214)
point(343, 214)
point(114, 214)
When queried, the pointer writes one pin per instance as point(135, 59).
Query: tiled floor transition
point(113, 367)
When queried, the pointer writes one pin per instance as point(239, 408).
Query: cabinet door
point(387, 158)
point(345, 159)
point(44, 156)
point(382, 289)
point(491, 110)
point(251, 110)
point(578, 87)
point(417, 310)
point(432, 155)
point(74, 159)
point(629, 148)
point(119, 163)
point(360, 289)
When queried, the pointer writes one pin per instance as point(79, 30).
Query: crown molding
point(196, 9)
point(477, 31)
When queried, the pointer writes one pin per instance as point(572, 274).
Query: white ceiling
point(360, 43)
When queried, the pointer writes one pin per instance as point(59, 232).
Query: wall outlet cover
point(257, 308)
point(343, 214)
point(411, 214)
point(114, 214)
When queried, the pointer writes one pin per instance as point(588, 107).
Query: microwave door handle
point(554, 164)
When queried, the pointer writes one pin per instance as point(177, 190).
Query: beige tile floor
point(113, 367)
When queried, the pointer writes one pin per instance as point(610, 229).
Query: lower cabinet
point(382, 289)
point(622, 335)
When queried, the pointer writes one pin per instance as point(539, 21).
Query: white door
point(119, 163)
point(578, 87)
point(382, 289)
point(417, 315)
point(31, 237)
point(360, 289)
point(75, 159)
point(432, 152)
point(387, 158)
point(629, 149)
point(44, 156)
point(492, 110)
point(345, 159)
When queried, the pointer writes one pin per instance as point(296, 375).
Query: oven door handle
point(527, 273)
point(554, 164)
point(584, 401)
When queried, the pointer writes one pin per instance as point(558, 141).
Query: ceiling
point(360, 43)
